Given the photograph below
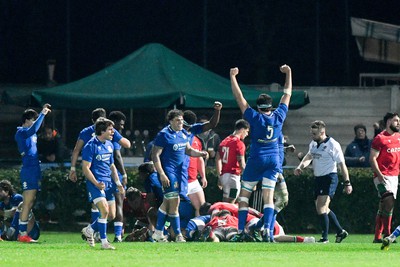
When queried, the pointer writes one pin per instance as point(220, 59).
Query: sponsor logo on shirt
point(393, 149)
point(103, 157)
point(179, 146)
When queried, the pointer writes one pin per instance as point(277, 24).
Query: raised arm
point(237, 93)
point(287, 89)
point(215, 118)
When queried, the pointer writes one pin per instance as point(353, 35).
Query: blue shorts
point(263, 167)
point(186, 212)
point(30, 177)
point(94, 192)
point(326, 185)
point(174, 183)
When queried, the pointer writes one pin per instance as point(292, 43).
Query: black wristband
point(347, 183)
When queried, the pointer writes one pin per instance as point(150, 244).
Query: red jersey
point(192, 170)
point(389, 152)
point(229, 149)
point(223, 221)
point(140, 212)
point(233, 209)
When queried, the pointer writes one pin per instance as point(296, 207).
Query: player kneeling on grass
point(10, 225)
point(10, 209)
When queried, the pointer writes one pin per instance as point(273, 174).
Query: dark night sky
point(255, 35)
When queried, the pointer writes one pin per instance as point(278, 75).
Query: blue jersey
point(26, 139)
point(15, 199)
point(173, 155)
point(100, 155)
point(196, 225)
point(89, 132)
point(265, 130)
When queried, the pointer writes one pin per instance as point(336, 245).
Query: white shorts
point(194, 187)
point(391, 185)
point(230, 181)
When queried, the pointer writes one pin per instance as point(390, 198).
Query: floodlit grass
point(68, 249)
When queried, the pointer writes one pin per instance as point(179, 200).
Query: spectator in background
point(379, 126)
point(210, 141)
point(357, 152)
point(50, 146)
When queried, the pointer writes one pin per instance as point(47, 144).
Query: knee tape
point(171, 195)
point(243, 199)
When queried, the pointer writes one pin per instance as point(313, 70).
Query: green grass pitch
point(68, 249)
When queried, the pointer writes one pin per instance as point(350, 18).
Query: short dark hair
point(241, 124)
point(205, 208)
point(117, 116)
point(133, 193)
point(97, 113)
point(173, 114)
point(7, 186)
point(264, 102)
point(147, 167)
point(189, 117)
point(28, 115)
point(388, 116)
point(360, 126)
point(318, 125)
point(101, 125)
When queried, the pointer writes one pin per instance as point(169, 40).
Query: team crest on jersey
point(34, 139)
point(109, 148)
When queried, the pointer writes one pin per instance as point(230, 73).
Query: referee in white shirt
point(325, 153)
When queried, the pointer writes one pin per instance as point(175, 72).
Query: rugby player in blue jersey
point(84, 136)
point(168, 154)
point(100, 172)
point(263, 162)
point(30, 175)
point(10, 208)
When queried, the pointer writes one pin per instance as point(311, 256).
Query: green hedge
point(356, 212)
